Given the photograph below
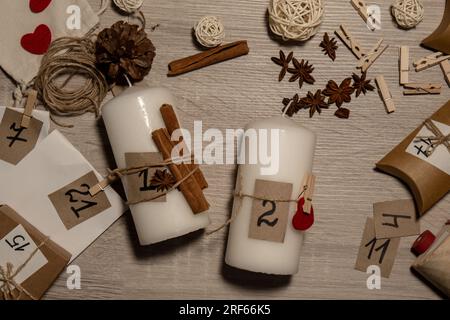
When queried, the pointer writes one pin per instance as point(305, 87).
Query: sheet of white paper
point(41, 115)
point(52, 165)
point(440, 157)
point(16, 248)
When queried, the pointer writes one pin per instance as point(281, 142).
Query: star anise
point(361, 85)
point(329, 46)
point(283, 61)
point(291, 106)
point(301, 72)
point(342, 113)
point(339, 94)
point(314, 102)
point(162, 181)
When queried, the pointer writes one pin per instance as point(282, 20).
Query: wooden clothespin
point(361, 7)
point(29, 107)
point(404, 64)
point(385, 94)
point(422, 88)
point(430, 61)
point(350, 42)
point(309, 184)
point(445, 66)
point(368, 59)
point(99, 187)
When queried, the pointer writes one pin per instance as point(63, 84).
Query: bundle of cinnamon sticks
point(192, 187)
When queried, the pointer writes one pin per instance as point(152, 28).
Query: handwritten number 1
point(262, 219)
point(87, 204)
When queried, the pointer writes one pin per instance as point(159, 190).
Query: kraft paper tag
point(269, 218)
point(15, 141)
point(440, 157)
point(74, 203)
point(138, 185)
point(395, 219)
point(16, 248)
point(376, 252)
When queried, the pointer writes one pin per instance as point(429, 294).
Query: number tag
point(16, 247)
point(15, 141)
point(269, 218)
point(373, 251)
point(74, 203)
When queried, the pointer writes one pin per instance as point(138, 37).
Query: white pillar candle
point(296, 152)
point(130, 118)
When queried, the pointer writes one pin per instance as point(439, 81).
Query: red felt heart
point(38, 41)
point(37, 6)
point(302, 221)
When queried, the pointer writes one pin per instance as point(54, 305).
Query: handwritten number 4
point(262, 219)
point(383, 247)
point(87, 204)
point(16, 244)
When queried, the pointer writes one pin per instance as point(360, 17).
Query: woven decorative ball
point(209, 32)
point(407, 13)
point(296, 20)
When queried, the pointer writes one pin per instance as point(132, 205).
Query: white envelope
point(41, 115)
point(55, 163)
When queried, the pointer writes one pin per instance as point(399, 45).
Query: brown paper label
point(395, 219)
point(376, 252)
point(269, 218)
point(138, 185)
point(74, 203)
point(15, 141)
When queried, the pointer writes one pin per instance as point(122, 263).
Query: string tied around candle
point(8, 275)
point(437, 139)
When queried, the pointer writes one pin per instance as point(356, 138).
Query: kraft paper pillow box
point(427, 177)
point(20, 241)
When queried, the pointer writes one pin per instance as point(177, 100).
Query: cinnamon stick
point(171, 121)
point(209, 57)
point(190, 188)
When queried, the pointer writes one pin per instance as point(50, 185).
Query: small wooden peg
point(422, 88)
point(29, 107)
point(309, 184)
point(369, 59)
point(445, 66)
point(385, 94)
point(404, 64)
point(430, 61)
point(350, 42)
point(361, 7)
point(99, 187)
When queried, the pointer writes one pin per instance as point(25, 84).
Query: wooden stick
point(189, 188)
point(209, 57)
point(172, 124)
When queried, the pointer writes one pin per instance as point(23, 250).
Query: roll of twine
point(407, 13)
point(295, 19)
point(69, 56)
point(129, 6)
point(210, 31)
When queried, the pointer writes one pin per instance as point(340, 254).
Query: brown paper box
point(427, 183)
point(434, 265)
point(38, 283)
point(439, 40)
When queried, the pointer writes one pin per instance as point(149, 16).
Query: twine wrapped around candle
point(7, 275)
point(436, 140)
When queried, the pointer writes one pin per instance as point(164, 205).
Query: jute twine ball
point(407, 13)
point(295, 19)
point(209, 32)
point(129, 6)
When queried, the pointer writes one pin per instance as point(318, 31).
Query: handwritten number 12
point(87, 204)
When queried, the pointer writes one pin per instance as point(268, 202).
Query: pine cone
point(124, 50)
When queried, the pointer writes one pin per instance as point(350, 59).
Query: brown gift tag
point(18, 243)
point(395, 219)
point(74, 203)
point(376, 252)
point(269, 218)
point(16, 141)
point(427, 183)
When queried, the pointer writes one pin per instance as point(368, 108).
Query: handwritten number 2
point(87, 204)
point(262, 219)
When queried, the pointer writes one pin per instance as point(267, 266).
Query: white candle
point(296, 152)
point(130, 119)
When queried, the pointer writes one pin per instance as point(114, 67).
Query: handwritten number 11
point(383, 247)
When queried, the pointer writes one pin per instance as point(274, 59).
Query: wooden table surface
point(228, 95)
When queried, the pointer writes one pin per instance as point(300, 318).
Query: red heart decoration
point(302, 221)
point(37, 6)
point(38, 41)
